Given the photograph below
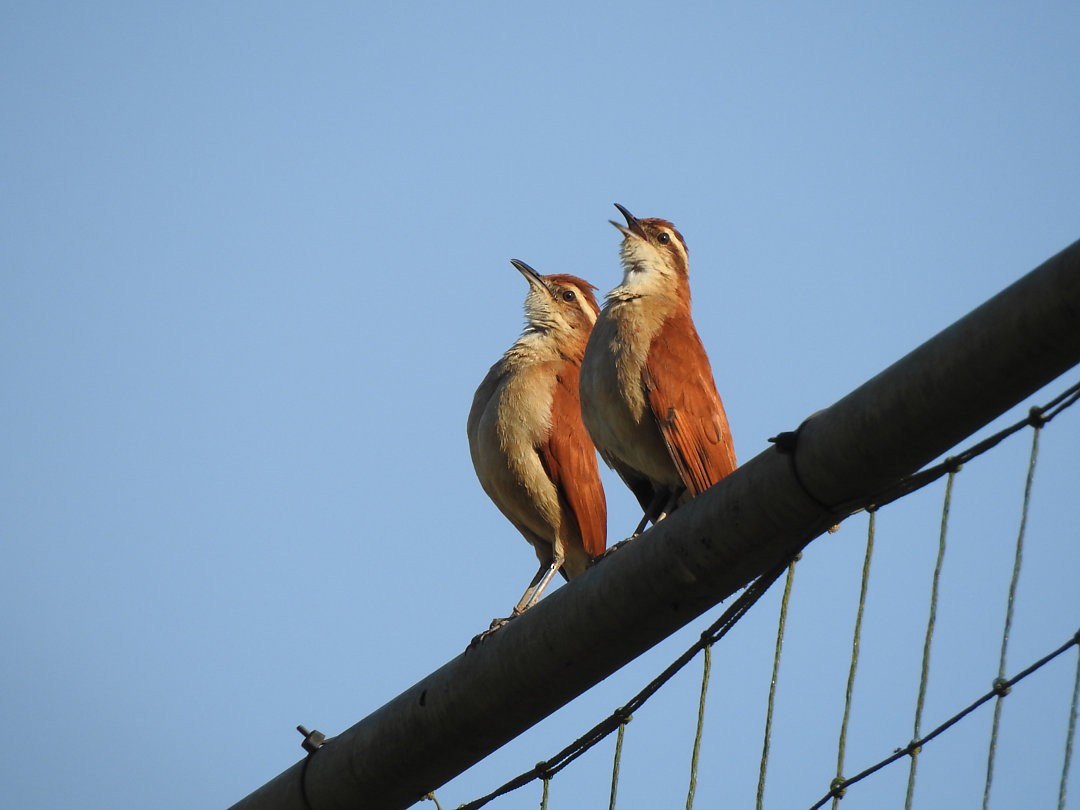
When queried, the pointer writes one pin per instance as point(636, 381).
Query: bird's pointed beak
point(531, 275)
point(632, 227)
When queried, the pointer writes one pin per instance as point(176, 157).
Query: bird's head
point(654, 255)
point(558, 303)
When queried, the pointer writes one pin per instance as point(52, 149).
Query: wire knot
point(543, 770)
point(838, 787)
point(623, 716)
point(952, 464)
point(1001, 687)
point(1036, 418)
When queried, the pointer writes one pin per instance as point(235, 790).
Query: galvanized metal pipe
point(751, 521)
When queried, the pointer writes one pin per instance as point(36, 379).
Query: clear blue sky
point(253, 264)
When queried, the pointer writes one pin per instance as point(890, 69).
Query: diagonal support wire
point(612, 722)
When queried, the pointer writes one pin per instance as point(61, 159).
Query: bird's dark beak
point(531, 275)
point(632, 227)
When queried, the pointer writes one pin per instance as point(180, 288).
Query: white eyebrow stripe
point(585, 307)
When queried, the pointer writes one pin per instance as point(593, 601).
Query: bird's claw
point(611, 550)
point(495, 625)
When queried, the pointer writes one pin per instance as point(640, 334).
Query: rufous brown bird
point(648, 397)
point(529, 446)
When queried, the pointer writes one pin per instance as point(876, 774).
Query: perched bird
point(529, 447)
point(648, 397)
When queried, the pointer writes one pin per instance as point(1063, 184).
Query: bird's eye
point(663, 238)
point(568, 295)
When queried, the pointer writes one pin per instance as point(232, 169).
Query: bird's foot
point(496, 624)
point(611, 550)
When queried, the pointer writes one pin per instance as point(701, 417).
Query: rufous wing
point(570, 459)
point(682, 394)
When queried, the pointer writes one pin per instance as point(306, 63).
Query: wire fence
point(617, 721)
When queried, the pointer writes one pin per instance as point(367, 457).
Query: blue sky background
point(253, 265)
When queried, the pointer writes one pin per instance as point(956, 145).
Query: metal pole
point(747, 524)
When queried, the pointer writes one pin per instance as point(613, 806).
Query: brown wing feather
point(570, 459)
point(682, 395)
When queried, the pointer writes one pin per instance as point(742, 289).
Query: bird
point(529, 447)
point(648, 396)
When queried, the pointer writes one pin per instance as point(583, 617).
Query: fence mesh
point(937, 617)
